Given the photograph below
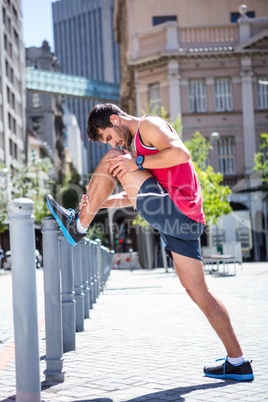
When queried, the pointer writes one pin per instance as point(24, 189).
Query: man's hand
point(84, 200)
point(123, 164)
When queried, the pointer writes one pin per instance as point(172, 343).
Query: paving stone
point(147, 341)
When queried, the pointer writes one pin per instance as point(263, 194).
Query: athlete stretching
point(161, 183)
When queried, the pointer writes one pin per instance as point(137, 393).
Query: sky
point(37, 22)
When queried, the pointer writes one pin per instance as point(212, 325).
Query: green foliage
point(215, 196)
point(261, 158)
point(30, 181)
point(199, 149)
point(177, 125)
point(96, 231)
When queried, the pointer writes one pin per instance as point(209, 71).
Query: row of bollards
point(73, 279)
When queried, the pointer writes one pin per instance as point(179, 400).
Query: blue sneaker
point(243, 372)
point(66, 219)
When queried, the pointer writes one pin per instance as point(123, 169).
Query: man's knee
point(112, 153)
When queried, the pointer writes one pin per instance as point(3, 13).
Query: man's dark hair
point(99, 118)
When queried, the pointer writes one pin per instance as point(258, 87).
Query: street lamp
point(214, 136)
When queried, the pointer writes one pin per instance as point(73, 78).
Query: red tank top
point(180, 181)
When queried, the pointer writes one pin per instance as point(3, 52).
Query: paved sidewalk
point(147, 341)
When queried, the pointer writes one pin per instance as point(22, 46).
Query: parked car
point(38, 259)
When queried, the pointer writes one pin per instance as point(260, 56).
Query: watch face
point(140, 159)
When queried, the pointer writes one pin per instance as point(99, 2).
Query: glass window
point(14, 126)
point(226, 156)
point(5, 41)
point(155, 98)
point(35, 100)
point(263, 93)
point(197, 96)
point(234, 16)
point(8, 95)
point(37, 125)
point(4, 15)
point(164, 18)
point(9, 121)
point(223, 95)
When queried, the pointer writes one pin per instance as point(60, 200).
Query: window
point(9, 121)
point(197, 96)
point(16, 37)
point(162, 19)
point(14, 126)
point(35, 100)
point(37, 125)
point(263, 93)
point(155, 98)
point(8, 95)
point(13, 101)
point(234, 16)
point(223, 95)
point(226, 156)
point(4, 15)
point(7, 69)
point(10, 147)
point(5, 41)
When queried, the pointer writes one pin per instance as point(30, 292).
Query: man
point(161, 183)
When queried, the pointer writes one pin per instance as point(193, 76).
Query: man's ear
point(114, 119)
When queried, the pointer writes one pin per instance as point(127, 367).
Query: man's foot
point(243, 372)
point(66, 219)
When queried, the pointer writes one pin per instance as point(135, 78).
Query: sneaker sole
point(237, 377)
point(63, 228)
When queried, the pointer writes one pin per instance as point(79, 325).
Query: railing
point(173, 37)
point(74, 277)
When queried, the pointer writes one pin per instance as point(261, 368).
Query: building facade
point(12, 87)
point(85, 46)
point(208, 62)
point(44, 112)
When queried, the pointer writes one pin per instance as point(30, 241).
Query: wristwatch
point(139, 161)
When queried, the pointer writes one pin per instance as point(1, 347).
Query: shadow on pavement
point(169, 394)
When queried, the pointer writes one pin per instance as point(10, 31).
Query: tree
point(215, 196)
point(31, 181)
point(261, 158)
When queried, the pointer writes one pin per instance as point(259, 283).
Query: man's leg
point(102, 185)
point(191, 274)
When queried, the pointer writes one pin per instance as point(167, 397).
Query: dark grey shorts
point(180, 233)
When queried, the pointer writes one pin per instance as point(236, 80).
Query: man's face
point(118, 135)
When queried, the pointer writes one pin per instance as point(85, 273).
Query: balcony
point(170, 38)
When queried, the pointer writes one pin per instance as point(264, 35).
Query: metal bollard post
point(90, 273)
point(67, 292)
point(85, 278)
point(131, 259)
point(22, 241)
point(95, 270)
point(105, 268)
point(52, 289)
point(78, 288)
point(99, 264)
point(111, 260)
